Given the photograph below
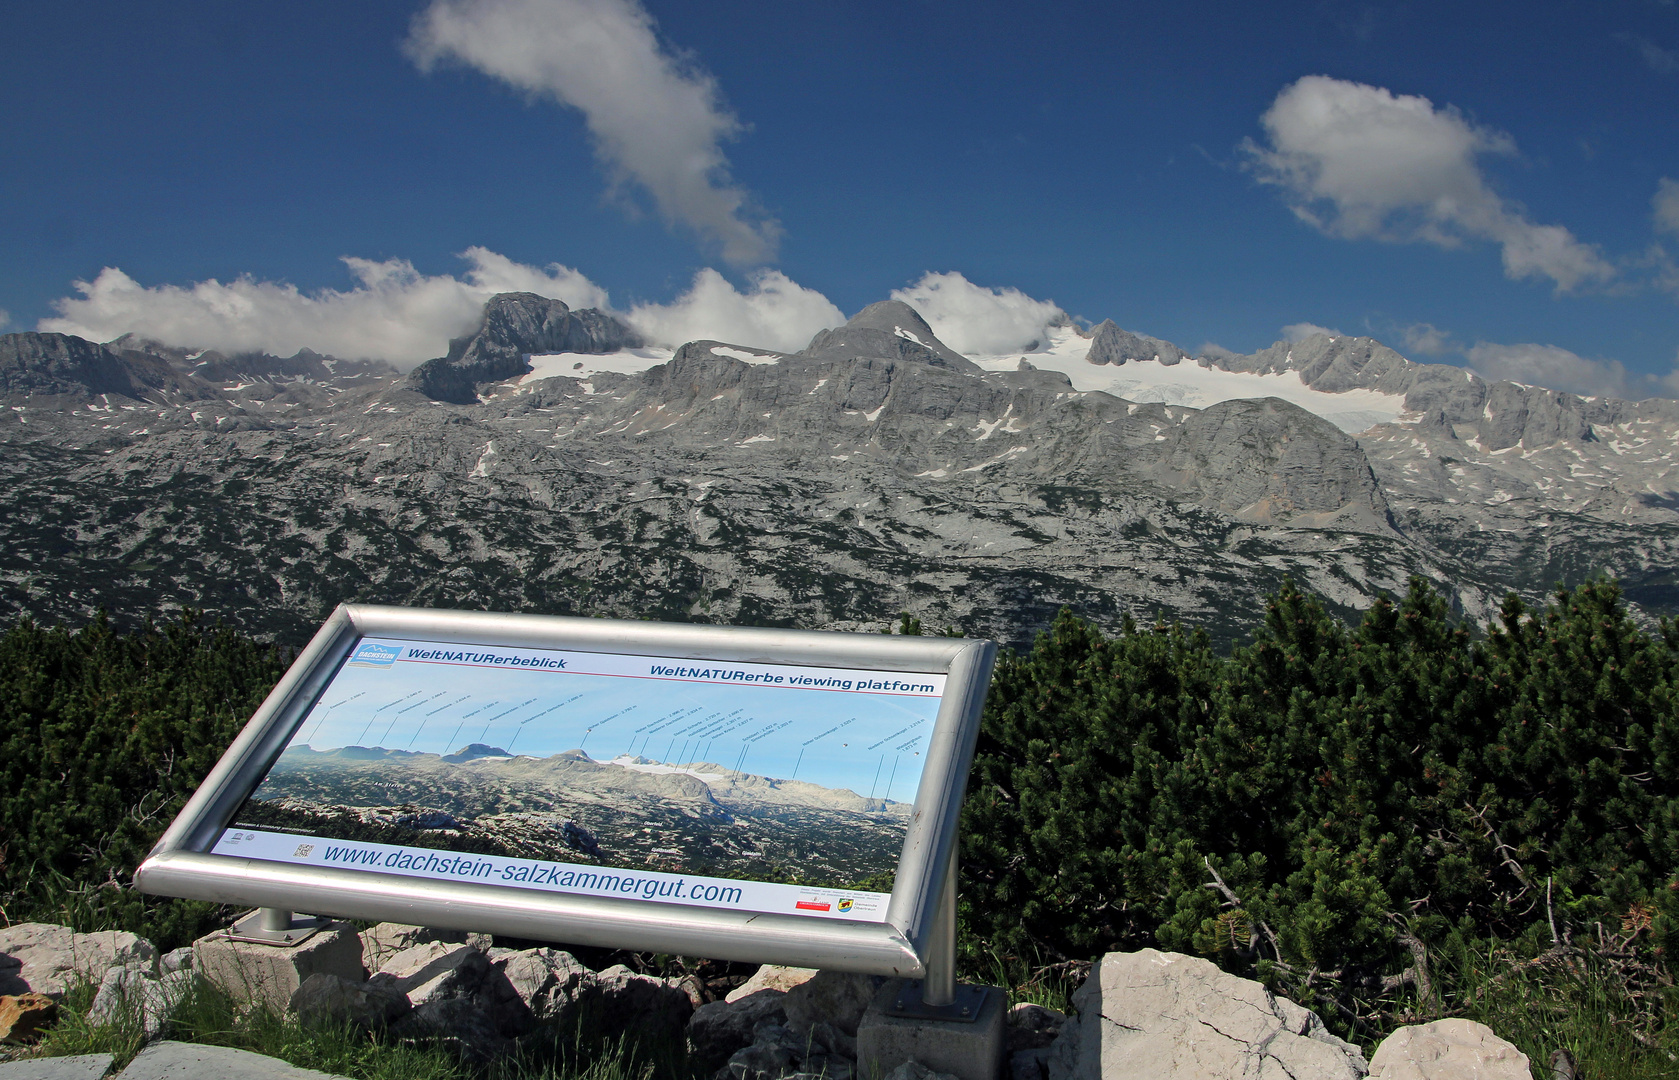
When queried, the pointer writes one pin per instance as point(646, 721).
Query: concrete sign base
point(259, 974)
point(970, 1049)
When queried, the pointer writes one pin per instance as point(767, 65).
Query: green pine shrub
point(1327, 804)
point(103, 737)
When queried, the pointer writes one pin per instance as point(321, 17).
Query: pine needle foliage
point(1328, 806)
point(103, 737)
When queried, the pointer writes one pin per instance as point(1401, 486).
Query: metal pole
point(939, 987)
point(277, 920)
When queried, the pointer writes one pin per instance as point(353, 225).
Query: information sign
point(766, 795)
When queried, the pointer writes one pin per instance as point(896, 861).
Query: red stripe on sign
point(811, 905)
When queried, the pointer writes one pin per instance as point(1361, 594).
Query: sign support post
point(939, 988)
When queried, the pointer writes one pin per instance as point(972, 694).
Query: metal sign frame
point(914, 941)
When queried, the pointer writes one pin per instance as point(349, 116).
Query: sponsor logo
point(369, 654)
point(812, 905)
point(845, 905)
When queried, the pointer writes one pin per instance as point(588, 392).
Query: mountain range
point(552, 461)
point(632, 812)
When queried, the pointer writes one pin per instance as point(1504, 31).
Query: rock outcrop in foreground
point(1145, 1015)
point(1153, 1015)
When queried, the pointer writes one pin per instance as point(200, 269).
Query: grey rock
point(1152, 1015)
point(515, 325)
point(324, 998)
point(836, 997)
point(130, 997)
point(195, 1061)
point(502, 1003)
point(550, 982)
point(830, 1066)
point(832, 1041)
point(176, 960)
point(914, 1070)
point(771, 977)
point(885, 470)
point(888, 329)
point(628, 1001)
point(1111, 345)
point(45, 958)
point(1030, 1064)
point(1031, 1027)
point(383, 941)
point(1454, 1049)
point(719, 1028)
point(1271, 461)
point(77, 1067)
point(34, 365)
point(762, 1062)
point(434, 971)
point(456, 1023)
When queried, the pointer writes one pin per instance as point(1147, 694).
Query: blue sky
point(1162, 165)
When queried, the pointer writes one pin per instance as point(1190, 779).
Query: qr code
point(303, 851)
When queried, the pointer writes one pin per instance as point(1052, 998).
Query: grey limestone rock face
point(1452, 1049)
point(889, 329)
point(1268, 461)
point(873, 472)
point(60, 365)
point(1111, 345)
point(1152, 1015)
point(45, 958)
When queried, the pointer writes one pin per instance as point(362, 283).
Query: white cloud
point(655, 117)
point(5, 318)
point(774, 313)
point(1665, 205)
point(1553, 368)
point(1215, 350)
point(395, 313)
point(1300, 331)
point(1427, 339)
point(1360, 161)
point(977, 320)
point(1658, 59)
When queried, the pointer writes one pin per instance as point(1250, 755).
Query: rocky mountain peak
point(62, 366)
point(1111, 345)
point(512, 327)
point(890, 329)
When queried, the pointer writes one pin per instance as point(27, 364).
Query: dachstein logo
point(371, 655)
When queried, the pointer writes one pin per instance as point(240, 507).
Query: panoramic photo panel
point(757, 787)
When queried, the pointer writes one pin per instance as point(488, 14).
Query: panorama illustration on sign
point(755, 787)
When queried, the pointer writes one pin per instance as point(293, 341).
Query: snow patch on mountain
point(654, 768)
point(583, 365)
point(1197, 385)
